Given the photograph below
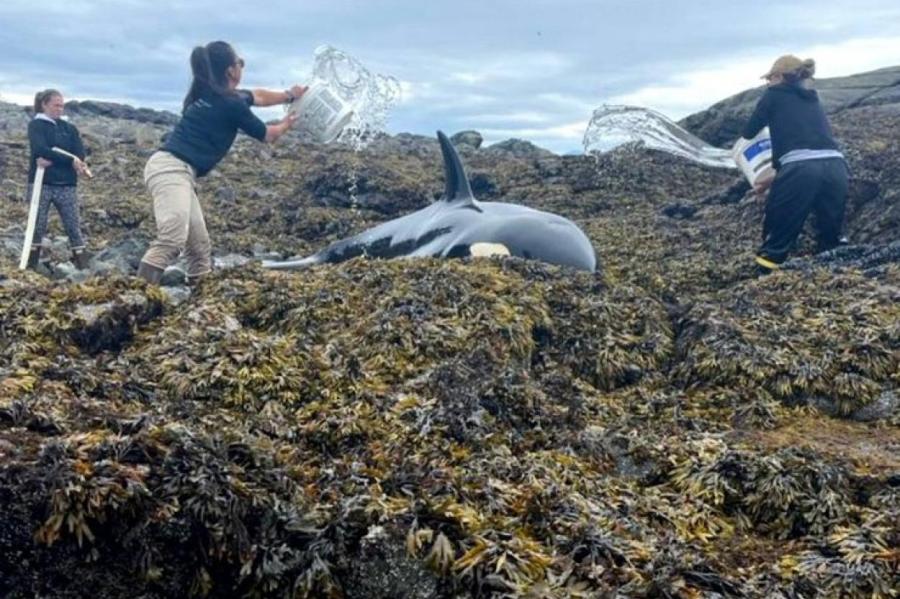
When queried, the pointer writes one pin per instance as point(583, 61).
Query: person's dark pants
point(65, 198)
point(818, 186)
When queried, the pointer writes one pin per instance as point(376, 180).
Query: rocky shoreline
point(673, 425)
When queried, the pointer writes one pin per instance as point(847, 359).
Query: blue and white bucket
point(321, 112)
point(754, 157)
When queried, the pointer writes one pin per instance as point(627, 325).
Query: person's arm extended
point(265, 97)
point(275, 131)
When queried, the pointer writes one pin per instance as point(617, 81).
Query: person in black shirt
point(47, 132)
point(214, 110)
point(811, 172)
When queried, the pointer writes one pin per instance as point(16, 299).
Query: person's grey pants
point(65, 198)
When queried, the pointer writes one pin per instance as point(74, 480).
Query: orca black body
point(458, 225)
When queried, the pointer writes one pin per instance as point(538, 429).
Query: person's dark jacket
point(208, 127)
point(44, 135)
point(795, 118)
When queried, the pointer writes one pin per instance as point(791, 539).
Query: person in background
point(213, 112)
point(811, 173)
point(46, 131)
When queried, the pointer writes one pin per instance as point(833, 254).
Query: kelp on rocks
point(482, 427)
point(671, 426)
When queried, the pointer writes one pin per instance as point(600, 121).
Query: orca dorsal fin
point(457, 182)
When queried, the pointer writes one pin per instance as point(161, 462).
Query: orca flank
point(451, 226)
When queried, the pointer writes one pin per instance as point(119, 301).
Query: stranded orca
point(458, 225)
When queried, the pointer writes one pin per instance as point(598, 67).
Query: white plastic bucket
point(321, 112)
point(754, 157)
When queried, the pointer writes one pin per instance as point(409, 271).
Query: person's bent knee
point(172, 230)
point(161, 255)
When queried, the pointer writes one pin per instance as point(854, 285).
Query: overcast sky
point(533, 69)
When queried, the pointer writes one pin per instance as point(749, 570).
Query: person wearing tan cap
point(811, 173)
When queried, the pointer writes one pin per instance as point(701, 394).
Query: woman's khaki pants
point(179, 219)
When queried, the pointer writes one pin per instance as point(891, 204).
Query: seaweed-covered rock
point(677, 426)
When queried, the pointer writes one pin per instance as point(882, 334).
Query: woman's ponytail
point(807, 69)
point(209, 66)
point(200, 64)
point(801, 73)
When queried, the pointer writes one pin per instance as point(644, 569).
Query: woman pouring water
point(213, 112)
point(811, 174)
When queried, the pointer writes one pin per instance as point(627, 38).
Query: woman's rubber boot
point(151, 274)
point(765, 266)
point(81, 259)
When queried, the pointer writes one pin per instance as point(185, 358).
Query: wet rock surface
point(673, 426)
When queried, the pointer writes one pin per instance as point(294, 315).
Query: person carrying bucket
point(213, 112)
point(56, 147)
point(811, 173)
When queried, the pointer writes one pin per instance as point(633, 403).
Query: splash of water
point(614, 125)
point(371, 95)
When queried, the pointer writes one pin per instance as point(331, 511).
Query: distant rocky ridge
point(111, 122)
point(101, 123)
point(120, 111)
point(721, 123)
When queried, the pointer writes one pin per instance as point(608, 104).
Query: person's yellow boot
point(766, 266)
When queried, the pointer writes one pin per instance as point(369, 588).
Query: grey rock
point(226, 194)
point(680, 210)
point(468, 138)
point(173, 276)
point(176, 295)
point(602, 443)
point(519, 148)
point(108, 326)
point(887, 404)
point(11, 240)
point(883, 407)
point(383, 570)
point(123, 255)
point(66, 270)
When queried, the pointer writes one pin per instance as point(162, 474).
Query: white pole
point(87, 171)
point(32, 217)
